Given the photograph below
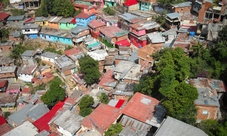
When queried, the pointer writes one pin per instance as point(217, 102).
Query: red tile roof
point(111, 31)
point(102, 117)
point(72, 51)
point(4, 128)
point(130, 2)
point(2, 120)
point(42, 123)
point(3, 83)
point(141, 107)
point(107, 78)
point(96, 23)
point(3, 16)
point(48, 75)
point(124, 42)
point(83, 15)
point(26, 90)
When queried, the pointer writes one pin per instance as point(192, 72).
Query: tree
point(222, 35)
point(63, 8)
point(209, 126)
point(145, 86)
point(114, 130)
point(108, 10)
point(173, 67)
point(168, 2)
point(5, 3)
point(90, 69)
point(103, 97)
point(54, 94)
point(180, 102)
point(4, 33)
point(85, 105)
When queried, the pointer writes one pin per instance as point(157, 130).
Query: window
point(27, 30)
point(205, 112)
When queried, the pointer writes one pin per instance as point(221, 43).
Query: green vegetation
point(63, 8)
point(213, 127)
point(103, 97)
point(5, 3)
point(6, 114)
point(168, 2)
point(52, 49)
point(68, 47)
point(17, 51)
point(180, 102)
point(161, 18)
point(17, 12)
point(4, 34)
point(114, 130)
point(108, 10)
point(107, 43)
point(90, 69)
point(85, 105)
point(54, 94)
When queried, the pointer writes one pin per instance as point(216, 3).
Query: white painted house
point(14, 1)
point(26, 72)
point(31, 30)
point(49, 57)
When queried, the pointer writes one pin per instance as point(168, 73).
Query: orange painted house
point(53, 22)
point(89, 9)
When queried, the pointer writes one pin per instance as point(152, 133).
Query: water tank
point(191, 33)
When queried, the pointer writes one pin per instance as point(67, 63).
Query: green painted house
point(67, 23)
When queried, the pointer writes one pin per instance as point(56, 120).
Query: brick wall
point(211, 112)
point(182, 10)
point(7, 75)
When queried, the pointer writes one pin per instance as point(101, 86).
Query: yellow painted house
point(42, 21)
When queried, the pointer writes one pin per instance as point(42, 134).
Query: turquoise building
point(56, 36)
point(67, 23)
point(145, 6)
point(110, 3)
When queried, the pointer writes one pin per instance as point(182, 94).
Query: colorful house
point(95, 26)
point(146, 5)
point(56, 36)
point(53, 22)
point(83, 19)
point(88, 9)
point(114, 35)
point(79, 34)
point(127, 19)
point(67, 23)
point(131, 5)
point(139, 30)
point(42, 21)
point(110, 3)
point(31, 30)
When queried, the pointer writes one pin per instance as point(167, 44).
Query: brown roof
point(146, 52)
point(3, 83)
point(4, 128)
point(7, 98)
point(83, 15)
point(72, 51)
point(103, 116)
point(141, 107)
point(96, 23)
point(111, 31)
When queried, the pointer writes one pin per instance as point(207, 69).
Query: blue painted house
point(56, 36)
point(67, 23)
point(83, 19)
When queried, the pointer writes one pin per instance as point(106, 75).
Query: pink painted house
point(139, 30)
point(13, 89)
